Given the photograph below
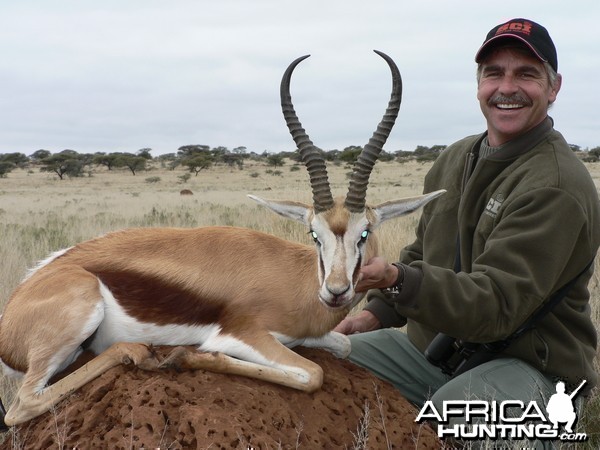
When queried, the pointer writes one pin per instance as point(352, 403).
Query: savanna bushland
point(41, 213)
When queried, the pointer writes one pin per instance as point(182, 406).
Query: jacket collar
point(524, 143)
point(511, 150)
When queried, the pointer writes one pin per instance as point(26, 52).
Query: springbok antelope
point(239, 296)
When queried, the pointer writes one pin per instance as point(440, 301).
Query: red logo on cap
point(516, 27)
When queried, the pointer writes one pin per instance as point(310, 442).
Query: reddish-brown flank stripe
point(153, 300)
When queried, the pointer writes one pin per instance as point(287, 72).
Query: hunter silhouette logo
point(560, 407)
point(506, 420)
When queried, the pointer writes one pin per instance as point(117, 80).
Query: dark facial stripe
point(357, 268)
point(321, 265)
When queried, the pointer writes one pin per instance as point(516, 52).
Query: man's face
point(514, 93)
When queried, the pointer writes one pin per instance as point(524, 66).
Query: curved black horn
point(359, 180)
point(311, 157)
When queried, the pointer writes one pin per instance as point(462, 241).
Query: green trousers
point(390, 355)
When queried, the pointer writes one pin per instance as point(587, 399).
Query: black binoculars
point(454, 356)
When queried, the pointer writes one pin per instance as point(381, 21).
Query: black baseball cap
point(532, 34)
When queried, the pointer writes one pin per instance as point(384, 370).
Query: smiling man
point(517, 82)
point(520, 221)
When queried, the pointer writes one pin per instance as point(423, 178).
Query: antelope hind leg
point(29, 404)
point(265, 359)
point(186, 358)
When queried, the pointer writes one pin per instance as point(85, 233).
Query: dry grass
point(40, 214)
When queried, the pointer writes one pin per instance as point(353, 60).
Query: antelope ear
point(397, 208)
point(297, 211)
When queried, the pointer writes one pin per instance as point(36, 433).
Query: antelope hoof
point(174, 359)
point(340, 345)
point(140, 355)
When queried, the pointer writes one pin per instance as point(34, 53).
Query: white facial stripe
point(353, 236)
point(326, 247)
point(339, 255)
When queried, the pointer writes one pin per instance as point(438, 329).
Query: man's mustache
point(516, 99)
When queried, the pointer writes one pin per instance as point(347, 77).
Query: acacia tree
point(233, 159)
point(190, 151)
point(64, 163)
point(145, 153)
point(10, 161)
point(591, 156)
point(110, 160)
point(275, 160)
point(5, 168)
point(132, 162)
point(218, 153)
point(18, 159)
point(198, 163)
point(350, 154)
point(40, 155)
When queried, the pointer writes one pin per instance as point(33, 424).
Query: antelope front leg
point(30, 404)
point(333, 342)
point(336, 343)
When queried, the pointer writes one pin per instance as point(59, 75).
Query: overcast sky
point(121, 75)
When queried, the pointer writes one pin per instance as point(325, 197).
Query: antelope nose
point(338, 291)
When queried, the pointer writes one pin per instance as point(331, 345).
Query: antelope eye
point(314, 236)
point(364, 235)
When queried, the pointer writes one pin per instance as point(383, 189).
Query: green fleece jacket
point(528, 217)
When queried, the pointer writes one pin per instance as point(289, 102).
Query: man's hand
point(359, 323)
point(377, 273)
